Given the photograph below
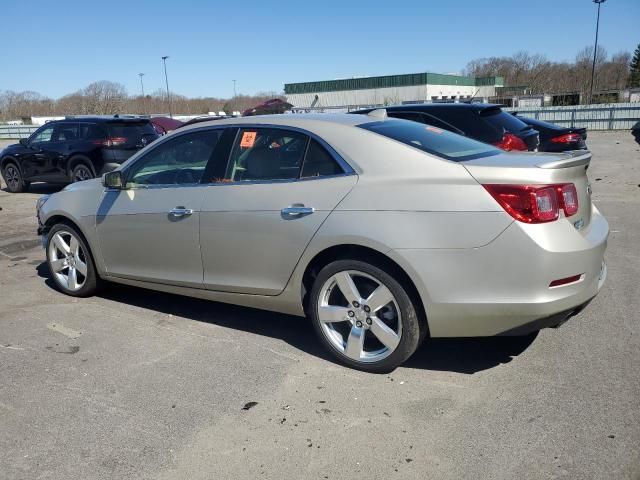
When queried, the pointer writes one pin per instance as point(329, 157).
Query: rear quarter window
point(433, 140)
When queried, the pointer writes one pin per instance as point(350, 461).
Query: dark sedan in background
point(480, 121)
point(555, 138)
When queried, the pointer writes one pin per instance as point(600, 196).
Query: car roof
point(429, 106)
point(103, 118)
point(301, 120)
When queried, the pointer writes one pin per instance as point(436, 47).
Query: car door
point(37, 152)
point(149, 230)
point(278, 188)
point(65, 138)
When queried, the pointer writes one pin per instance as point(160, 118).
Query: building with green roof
point(389, 90)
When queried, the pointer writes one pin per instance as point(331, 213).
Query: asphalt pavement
point(134, 384)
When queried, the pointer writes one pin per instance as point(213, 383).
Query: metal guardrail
point(17, 131)
point(611, 116)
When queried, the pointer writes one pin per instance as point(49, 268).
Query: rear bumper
point(503, 287)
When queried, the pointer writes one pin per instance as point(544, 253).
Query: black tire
point(81, 172)
point(91, 281)
point(410, 334)
point(13, 178)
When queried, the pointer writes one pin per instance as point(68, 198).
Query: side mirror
point(24, 142)
point(112, 180)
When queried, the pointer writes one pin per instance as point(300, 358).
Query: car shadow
point(461, 355)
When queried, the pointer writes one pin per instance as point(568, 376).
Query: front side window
point(430, 139)
point(266, 154)
point(180, 160)
point(43, 135)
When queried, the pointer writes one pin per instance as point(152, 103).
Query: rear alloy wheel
point(363, 316)
point(13, 177)
point(80, 173)
point(70, 262)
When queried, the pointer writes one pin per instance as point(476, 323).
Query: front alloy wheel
point(364, 316)
point(13, 177)
point(70, 261)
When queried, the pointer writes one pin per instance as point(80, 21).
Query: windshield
point(430, 139)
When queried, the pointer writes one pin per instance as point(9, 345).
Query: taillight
point(511, 142)
point(535, 203)
point(567, 138)
point(111, 141)
point(568, 198)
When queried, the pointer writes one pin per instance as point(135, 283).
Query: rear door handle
point(181, 212)
point(297, 210)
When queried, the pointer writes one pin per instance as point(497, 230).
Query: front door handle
point(181, 212)
point(297, 210)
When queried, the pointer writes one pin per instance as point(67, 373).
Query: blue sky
point(57, 47)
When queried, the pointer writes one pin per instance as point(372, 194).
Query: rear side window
point(133, 133)
point(430, 139)
point(503, 120)
point(266, 154)
point(66, 131)
point(92, 131)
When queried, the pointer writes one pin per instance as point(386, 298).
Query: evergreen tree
point(634, 73)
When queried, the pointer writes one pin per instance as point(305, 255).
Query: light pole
point(595, 50)
point(141, 84)
point(142, 88)
point(166, 81)
point(234, 97)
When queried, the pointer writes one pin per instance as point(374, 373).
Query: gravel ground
point(134, 384)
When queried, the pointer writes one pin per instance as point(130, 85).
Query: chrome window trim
point(347, 169)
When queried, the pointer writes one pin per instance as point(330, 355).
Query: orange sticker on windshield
point(434, 129)
point(248, 139)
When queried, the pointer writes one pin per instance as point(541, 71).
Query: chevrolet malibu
point(382, 231)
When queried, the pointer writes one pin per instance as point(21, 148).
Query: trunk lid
point(539, 169)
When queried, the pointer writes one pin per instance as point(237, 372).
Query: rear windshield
point(503, 120)
point(436, 141)
point(132, 131)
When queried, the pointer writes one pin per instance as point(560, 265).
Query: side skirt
point(283, 303)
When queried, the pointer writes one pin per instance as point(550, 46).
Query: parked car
point(164, 125)
point(487, 123)
point(73, 149)
point(273, 106)
point(555, 138)
point(380, 230)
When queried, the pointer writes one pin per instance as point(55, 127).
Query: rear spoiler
point(573, 159)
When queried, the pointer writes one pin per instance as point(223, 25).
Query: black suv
point(480, 121)
point(73, 149)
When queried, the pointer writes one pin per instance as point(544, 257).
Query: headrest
point(262, 163)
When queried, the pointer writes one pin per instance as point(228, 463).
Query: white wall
point(388, 96)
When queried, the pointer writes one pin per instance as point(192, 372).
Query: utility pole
point(595, 50)
point(166, 81)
